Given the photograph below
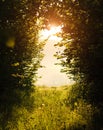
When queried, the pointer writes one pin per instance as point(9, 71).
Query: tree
point(83, 52)
point(20, 54)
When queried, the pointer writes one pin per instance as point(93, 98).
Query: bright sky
point(51, 75)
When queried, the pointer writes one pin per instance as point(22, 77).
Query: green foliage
point(83, 28)
point(77, 101)
point(82, 57)
point(83, 54)
point(20, 55)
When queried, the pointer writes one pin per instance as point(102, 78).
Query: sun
point(52, 33)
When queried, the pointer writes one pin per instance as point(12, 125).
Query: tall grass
point(51, 112)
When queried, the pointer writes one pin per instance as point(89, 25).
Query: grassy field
point(51, 111)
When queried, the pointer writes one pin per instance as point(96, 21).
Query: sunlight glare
point(51, 34)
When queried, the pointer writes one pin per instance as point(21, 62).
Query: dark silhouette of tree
point(84, 50)
point(19, 55)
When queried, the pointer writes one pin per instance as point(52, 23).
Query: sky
point(50, 73)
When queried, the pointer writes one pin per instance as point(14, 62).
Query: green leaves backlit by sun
point(52, 33)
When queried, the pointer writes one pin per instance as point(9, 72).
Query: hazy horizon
point(51, 75)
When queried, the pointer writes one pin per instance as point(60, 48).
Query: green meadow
point(52, 109)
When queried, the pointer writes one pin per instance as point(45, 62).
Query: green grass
point(51, 111)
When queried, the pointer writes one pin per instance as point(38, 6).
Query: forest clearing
point(45, 43)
